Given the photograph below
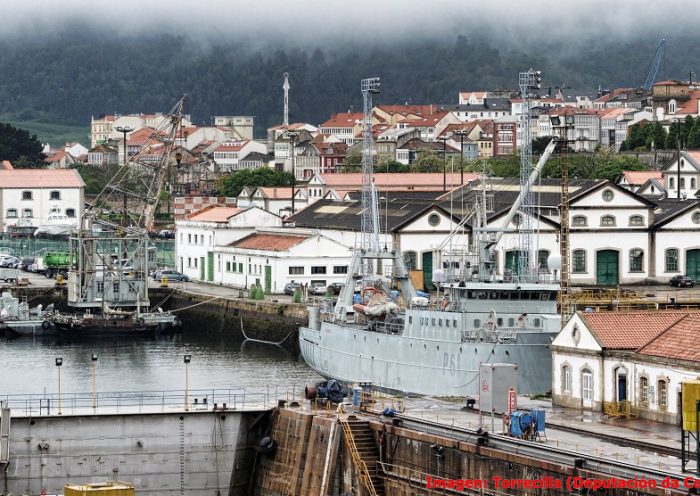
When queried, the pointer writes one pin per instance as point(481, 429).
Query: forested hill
point(67, 78)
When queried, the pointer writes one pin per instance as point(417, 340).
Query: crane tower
point(370, 203)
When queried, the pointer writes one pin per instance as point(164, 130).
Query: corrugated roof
point(214, 213)
point(677, 341)
point(40, 178)
point(629, 331)
point(269, 241)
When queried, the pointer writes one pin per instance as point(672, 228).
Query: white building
point(30, 195)
point(688, 174)
point(197, 236)
point(272, 258)
point(229, 153)
point(241, 126)
point(105, 127)
point(632, 362)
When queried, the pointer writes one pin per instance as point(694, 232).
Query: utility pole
point(285, 87)
point(293, 136)
point(124, 130)
point(461, 133)
point(444, 162)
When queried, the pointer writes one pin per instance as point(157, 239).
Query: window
point(11, 213)
point(643, 390)
point(692, 183)
point(55, 195)
point(607, 220)
point(70, 212)
point(433, 219)
point(410, 258)
point(566, 379)
point(587, 384)
point(115, 288)
point(27, 213)
point(579, 261)
point(636, 260)
point(296, 271)
point(671, 183)
point(682, 183)
point(318, 269)
point(228, 266)
point(672, 260)
point(26, 195)
point(542, 257)
point(340, 269)
point(189, 238)
point(608, 195)
point(696, 217)
point(636, 220)
point(662, 394)
point(579, 221)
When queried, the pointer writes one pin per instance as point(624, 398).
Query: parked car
point(682, 281)
point(290, 287)
point(336, 287)
point(318, 289)
point(25, 264)
point(9, 262)
point(172, 275)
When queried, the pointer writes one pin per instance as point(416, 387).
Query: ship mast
point(370, 203)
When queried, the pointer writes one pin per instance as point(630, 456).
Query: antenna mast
point(529, 83)
point(370, 204)
point(285, 87)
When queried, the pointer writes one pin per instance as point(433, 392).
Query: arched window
point(671, 260)
point(607, 220)
point(662, 394)
point(579, 220)
point(671, 183)
point(643, 391)
point(587, 385)
point(672, 106)
point(566, 379)
point(636, 260)
point(636, 220)
point(579, 261)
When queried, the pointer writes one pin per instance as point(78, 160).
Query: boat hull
point(430, 366)
point(27, 328)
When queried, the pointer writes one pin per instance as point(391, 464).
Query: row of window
point(28, 213)
point(29, 195)
point(606, 220)
point(636, 260)
point(198, 239)
point(672, 183)
point(317, 269)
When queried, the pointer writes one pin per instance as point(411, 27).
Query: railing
point(149, 401)
point(357, 459)
point(620, 409)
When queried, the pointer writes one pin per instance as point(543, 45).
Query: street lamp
point(124, 130)
point(94, 381)
point(187, 360)
point(59, 362)
point(461, 133)
point(444, 161)
point(292, 136)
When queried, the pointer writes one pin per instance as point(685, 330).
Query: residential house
point(186, 205)
point(278, 200)
point(30, 195)
point(105, 127)
point(102, 154)
point(633, 180)
point(227, 156)
point(200, 232)
point(682, 175)
point(346, 126)
point(626, 361)
point(319, 157)
point(59, 159)
point(635, 98)
point(256, 160)
point(241, 126)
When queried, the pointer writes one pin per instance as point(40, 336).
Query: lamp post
point(293, 136)
point(187, 359)
point(59, 362)
point(461, 133)
point(124, 130)
point(94, 381)
point(444, 162)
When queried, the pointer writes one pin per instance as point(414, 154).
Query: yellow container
point(691, 394)
point(99, 489)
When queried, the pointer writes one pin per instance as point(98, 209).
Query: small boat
point(115, 322)
point(56, 224)
point(18, 319)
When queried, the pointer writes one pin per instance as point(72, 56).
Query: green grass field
point(46, 132)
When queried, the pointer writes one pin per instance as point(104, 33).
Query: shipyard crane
point(109, 267)
point(654, 68)
point(370, 202)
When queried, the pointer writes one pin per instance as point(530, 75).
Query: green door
point(210, 266)
point(692, 264)
point(607, 268)
point(202, 268)
point(428, 270)
point(268, 279)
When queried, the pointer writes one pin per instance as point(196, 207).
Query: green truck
point(55, 263)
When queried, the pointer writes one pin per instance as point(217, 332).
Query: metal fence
point(149, 401)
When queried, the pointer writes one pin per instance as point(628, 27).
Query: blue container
point(356, 396)
point(539, 420)
point(519, 423)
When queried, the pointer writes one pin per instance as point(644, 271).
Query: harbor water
point(147, 364)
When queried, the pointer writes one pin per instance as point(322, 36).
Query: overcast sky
point(317, 21)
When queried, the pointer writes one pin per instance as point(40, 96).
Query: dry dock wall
point(193, 453)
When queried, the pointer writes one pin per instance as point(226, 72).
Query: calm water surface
point(28, 366)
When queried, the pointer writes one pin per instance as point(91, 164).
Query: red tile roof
point(678, 341)
point(640, 177)
point(629, 331)
point(269, 241)
point(278, 193)
point(56, 156)
point(214, 213)
point(421, 180)
point(139, 137)
point(231, 146)
point(40, 178)
point(346, 119)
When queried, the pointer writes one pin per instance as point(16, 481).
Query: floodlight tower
point(285, 87)
point(529, 83)
point(370, 203)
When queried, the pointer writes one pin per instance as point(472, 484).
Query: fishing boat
point(114, 322)
point(18, 319)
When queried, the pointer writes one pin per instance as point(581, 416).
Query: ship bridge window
point(447, 322)
point(499, 321)
point(471, 295)
point(410, 319)
point(536, 322)
point(511, 322)
point(493, 295)
point(482, 295)
point(477, 323)
point(505, 295)
point(454, 323)
point(544, 296)
point(553, 296)
point(440, 322)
